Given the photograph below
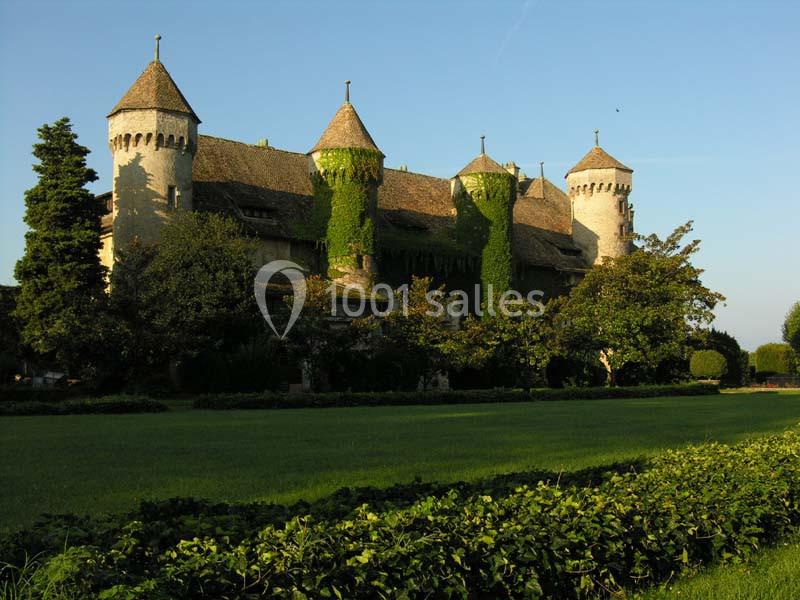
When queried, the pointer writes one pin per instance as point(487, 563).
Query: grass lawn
point(94, 463)
point(773, 575)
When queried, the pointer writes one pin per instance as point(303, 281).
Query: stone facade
point(162, 164)
point(601, 214)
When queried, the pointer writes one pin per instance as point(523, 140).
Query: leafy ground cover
point(108, 463)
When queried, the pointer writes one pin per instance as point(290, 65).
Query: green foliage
point(642, 308)
point(708, 364)
point(630, 530)
point(791, 328)
point(105, 405)
point(342, 214)
point(62, 284)
point(775, 359)
point(484, 208)
point(190, 294)
point(737, 373)
point(431, 398)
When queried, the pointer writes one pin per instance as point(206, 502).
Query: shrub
point(774, 359)
point(691, 507)
point(708, 364)
point(106, 405)
point(330, 400)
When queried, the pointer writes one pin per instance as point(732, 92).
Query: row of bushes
point(167, 522)
point(328, 400)
point(689, 508)
point(106, 405)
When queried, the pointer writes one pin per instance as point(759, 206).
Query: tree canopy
point(641, 308)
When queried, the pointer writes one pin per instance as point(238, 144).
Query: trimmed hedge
point(708, 364)
point(775, 359)
point(107, 405)
point(329, 400)
point(692, 507)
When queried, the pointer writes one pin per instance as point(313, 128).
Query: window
point(171, 197)
point(622, 231)
point(622, 207)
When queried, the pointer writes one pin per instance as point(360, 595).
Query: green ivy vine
point(343, 185)
point(483, 222)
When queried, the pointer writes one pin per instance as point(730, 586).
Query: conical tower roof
point(346, 130)
point(154, 89)
point(482, 164)
point(597, 158)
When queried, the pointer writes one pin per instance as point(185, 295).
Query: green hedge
point(775, 359)
point(708, 364)
point(691, 507)
point(329, 400)
point(107, 405)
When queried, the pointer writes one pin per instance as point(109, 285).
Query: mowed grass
point(107, 463)
point(774, 574)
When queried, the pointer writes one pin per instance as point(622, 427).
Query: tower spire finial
point(596, 137)
point(158, 39)
point(483, 146)
point(541, 172)
point(347, 91)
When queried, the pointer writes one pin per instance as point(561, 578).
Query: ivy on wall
point(483, 222)
point(341, 216)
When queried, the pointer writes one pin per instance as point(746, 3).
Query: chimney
point(512, 168)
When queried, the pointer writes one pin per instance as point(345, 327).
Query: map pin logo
point(294, 273)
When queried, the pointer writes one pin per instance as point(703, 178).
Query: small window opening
point(171, 197)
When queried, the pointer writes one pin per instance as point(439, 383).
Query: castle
point(338, 211)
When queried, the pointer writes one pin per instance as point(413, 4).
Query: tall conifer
point(62, 283)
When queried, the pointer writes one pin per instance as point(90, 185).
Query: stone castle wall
point(601, 212)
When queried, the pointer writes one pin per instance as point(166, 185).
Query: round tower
point(484, 194)
point(152, 135)
point(346, 169)
point(602, 219)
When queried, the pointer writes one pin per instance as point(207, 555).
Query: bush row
point(323, 400)
point(107, 405)
point(691, 507)
point(167, 522)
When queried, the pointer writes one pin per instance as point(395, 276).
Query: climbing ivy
point(342, 188)
point(483, 222)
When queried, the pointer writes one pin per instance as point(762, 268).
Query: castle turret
point(153, 137)
point(484, 194)
point(346, 169)
point(602, 221)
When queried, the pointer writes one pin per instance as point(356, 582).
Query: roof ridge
point(273, 148)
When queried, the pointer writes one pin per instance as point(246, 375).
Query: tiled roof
point(597, 158)
point(236, 178)
point(154, 89)
point(346, 130)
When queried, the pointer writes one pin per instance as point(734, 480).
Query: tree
point(62, 283)
point(422, 331)
point(191, 293)
point(708, 364)
point(640, 309)
point(791, 328)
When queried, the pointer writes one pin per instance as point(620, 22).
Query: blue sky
point(707, 94)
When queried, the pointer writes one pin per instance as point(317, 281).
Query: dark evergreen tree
point(62, 283)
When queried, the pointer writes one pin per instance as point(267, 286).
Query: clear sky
point(699, 98)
